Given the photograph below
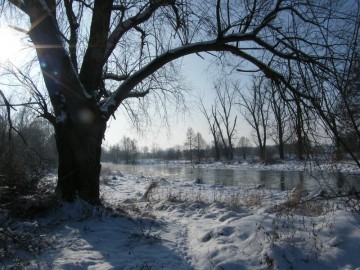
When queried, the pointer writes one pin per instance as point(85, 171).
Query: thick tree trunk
point(79, 149)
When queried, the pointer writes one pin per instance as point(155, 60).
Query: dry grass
point(150, 189)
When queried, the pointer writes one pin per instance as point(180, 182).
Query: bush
point(23, 160)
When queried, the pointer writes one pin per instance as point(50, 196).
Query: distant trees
point(189, 143)
point(199, 146)
point(244, 145)
point(129, 149)
point(194, 146)
point(125, 151)
point(173, 153)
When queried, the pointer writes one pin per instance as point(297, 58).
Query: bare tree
point(244, 144)
point(344, 121)
point(199, 146)
point(282, 133)
point(189, 142)
point(129, 149)
point(223, 115)
point(256, 111)
point(95, 55)
point(213, 127)
point(299, 115)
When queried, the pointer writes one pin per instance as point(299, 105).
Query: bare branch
point(137, 94)
point(74, 25)
point(115, 77)
point(8, 109)
point(131, 22)
point(19, 4)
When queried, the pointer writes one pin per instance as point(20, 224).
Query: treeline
point(195, 149)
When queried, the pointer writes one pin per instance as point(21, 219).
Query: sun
point(10, 44)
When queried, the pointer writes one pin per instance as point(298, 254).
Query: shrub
point(25, 157)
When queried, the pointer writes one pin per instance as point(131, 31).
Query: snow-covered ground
point(158, 224)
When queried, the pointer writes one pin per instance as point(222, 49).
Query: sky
point(199, 74)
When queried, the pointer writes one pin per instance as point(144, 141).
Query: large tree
point(94, 55)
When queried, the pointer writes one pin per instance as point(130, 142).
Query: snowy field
point(150, 223)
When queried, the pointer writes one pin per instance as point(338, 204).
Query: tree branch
point(137, 94)
point(222, 45)
point(73, 32)
point(115, 77)
point(19, 4)
point(130, 23)
point(8, 109)
point(91, 69)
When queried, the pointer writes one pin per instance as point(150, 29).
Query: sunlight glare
point(10, 44)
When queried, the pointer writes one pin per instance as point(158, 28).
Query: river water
point(278, 180)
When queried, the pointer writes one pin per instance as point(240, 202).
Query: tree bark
point(79, 149)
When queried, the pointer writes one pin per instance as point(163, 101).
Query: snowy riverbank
point(289, 165)
point(158, 224)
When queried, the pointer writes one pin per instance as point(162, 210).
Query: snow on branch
point(137, 94)
point(115, 77)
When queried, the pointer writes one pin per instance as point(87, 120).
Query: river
point(269, 179)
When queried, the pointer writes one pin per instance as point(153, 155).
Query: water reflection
point(282, 181)
point(279, 180)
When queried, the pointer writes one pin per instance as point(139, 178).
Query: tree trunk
point(338, 152)
point(217, 150)
point(299, 144)
point(281, 151)
point(79, 149)
point(299, 127)
point(281, 136)
point(281, 143)
point(79, 123)
point(263, 153)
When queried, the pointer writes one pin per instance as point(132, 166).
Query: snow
point(289, 165)
point(150, 223)
point(109, 103)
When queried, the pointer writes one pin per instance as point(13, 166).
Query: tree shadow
point(113, 242)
